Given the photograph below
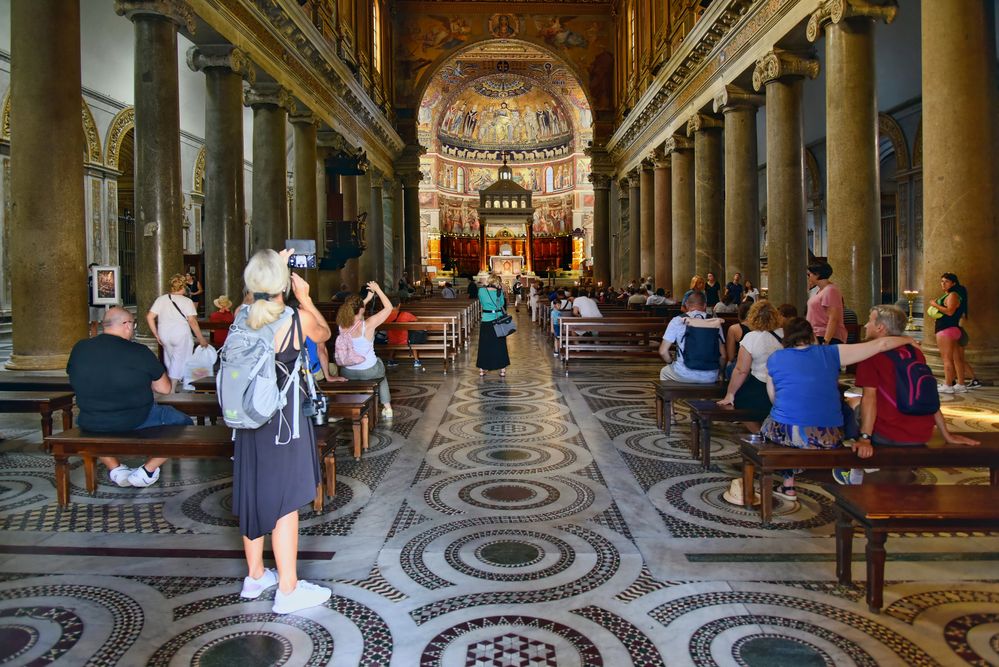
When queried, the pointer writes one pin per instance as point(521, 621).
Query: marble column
point(680, 150)
point(622, 241)
point(647, 234)
point(709, 207)
point(159, 199)
point(853, 198)
point(663, 222)
point(601, 228)
point(348, 191)
point(393, 218)
point(305, 214)
point(376, 226)
point(225, 68)
point(634, 224)
point(366, 262)
point(47, 225)
point(960, 139)
point(411, 223)
point(742, 193)
point(269, 224)
point(781, 73)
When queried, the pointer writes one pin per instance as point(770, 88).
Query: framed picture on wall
point(106, 285)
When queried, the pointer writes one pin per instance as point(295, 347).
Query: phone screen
point(304, 256)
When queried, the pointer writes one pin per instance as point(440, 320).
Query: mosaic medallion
point(247, 649)
point(557, 496)
point(777, 651)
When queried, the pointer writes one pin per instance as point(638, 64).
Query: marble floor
point(527, 521)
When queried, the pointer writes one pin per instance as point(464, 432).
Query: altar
point(506, 265)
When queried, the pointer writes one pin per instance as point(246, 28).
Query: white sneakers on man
point(304, 596)
point(140, 478)
point(120, 475)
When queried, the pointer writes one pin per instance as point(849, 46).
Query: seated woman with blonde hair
point(747, 389)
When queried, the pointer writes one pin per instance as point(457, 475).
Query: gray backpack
point(247, 386)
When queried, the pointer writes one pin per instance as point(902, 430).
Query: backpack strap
point(779, 339)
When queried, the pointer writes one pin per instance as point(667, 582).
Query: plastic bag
point(200, 365)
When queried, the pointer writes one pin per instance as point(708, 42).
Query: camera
point(316, 409)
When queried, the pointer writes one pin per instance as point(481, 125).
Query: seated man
point(656, 299)
point(448, 292)
point(114, 379)
point(881, 421)
point(584, 305)
point(637, 298)
point(700, 345)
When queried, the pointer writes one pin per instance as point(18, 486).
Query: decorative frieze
point(779, 64)
point(837, 11)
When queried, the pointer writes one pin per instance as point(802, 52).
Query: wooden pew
point(167, 441)
point(614, 318)
point(768, 458)
point(667, 392)
point(702, 413)
point(42, 402)
point(883, 509)
point(15, 382)
point(439, 343)
point(611, 340)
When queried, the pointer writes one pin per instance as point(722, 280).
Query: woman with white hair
point(492, 354)
point(171, 319)
point(274, 473)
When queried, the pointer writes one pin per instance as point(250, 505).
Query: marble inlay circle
point(13, 488)
point(540, 457)
point(506, 392)
point(211, 506)
point(15, 641)
point(509, 553)
point(555, 497)
point(509, 430)
point(508, 409)
point(508, 493)
point(654, 443)
point(247, 649)
point(770, 650)
point(507, 455)
point(618, 391)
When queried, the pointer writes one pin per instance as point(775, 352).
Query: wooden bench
point(667, 392)
point(768, 458)
point(638, 339)
point(13, 382)
point(702, 413)
point(166, 441)
point(439, 345)
point(42, 402)
point(883, 509)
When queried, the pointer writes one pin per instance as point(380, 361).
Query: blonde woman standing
point(171, 319)
point(275, 473)
point(492, 354)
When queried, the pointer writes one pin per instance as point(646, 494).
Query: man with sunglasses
point(114, 379)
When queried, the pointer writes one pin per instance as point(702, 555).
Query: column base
point(37, 362)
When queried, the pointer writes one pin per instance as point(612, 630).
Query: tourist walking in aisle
point(492, 354)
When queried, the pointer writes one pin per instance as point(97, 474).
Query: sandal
point(786, 492)
point(482, 373)
point(502, 372)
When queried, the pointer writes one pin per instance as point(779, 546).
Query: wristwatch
point(864, 436)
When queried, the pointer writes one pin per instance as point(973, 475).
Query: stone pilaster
point(159, 200)
point(305, 212)
point(376, 226)
point(681, 153)
point(853, 197)
point(48, 258)
point(366, 262)
point(709, 211)
point(348, 191)
point(225, 68)
point(601, 228)
point(960, 138)
point(411, 222)
point(781, 74)
point(270, 103)
point(648, 195)
point(393, 231)
point(742, 194)
point(663, 222)
point(634, 223)
point(622, 241)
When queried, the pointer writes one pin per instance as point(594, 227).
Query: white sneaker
point(139, 478)
point(945, 389)
point(387, 413)
point(960, 389)
point(120, 475)
point(253, 588)
point(304, 596)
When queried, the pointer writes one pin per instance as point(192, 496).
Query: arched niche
point(123, 121)
point(888, 128)
point(91, 137)
point(199, 173)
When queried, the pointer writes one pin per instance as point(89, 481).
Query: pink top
point(818, 312)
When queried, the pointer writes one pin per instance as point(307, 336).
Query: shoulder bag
point(503, 325)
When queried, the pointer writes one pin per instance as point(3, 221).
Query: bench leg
point(46, 423)
point(659, 413)
point(61, 479)
point(358, 428)
point(667, 415)
point(748, 475)
point(364, 432)
point(844, 549)
point(317, 502)
point(875, 569)
point(67, 419)
point(705, 443)
point(329, 463)
point(90, 473)
point(766, 496)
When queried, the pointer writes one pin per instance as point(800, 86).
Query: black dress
point(492, 354)
point(272, 480)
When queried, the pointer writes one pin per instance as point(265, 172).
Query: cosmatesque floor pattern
point(536, 520)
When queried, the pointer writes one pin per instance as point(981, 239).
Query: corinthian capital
point(600, 181)
point(779, 64)
point(268, 94)
point(837, 11)
point(700, 122)
point(677, 142)
point(304, 116)
point(174, 10)
point(223, 56)
point(659, 159)
point(733, 97)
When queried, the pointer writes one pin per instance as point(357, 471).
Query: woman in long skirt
point(492, 348)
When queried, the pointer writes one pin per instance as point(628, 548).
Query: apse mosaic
point(536, 519)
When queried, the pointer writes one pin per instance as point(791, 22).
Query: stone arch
point(917, 148)
point(199, 173)
point(889, 128)
point(91, 137)
point(813, 179)
point(123, 121)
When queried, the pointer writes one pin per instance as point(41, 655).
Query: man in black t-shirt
point(114, 379)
